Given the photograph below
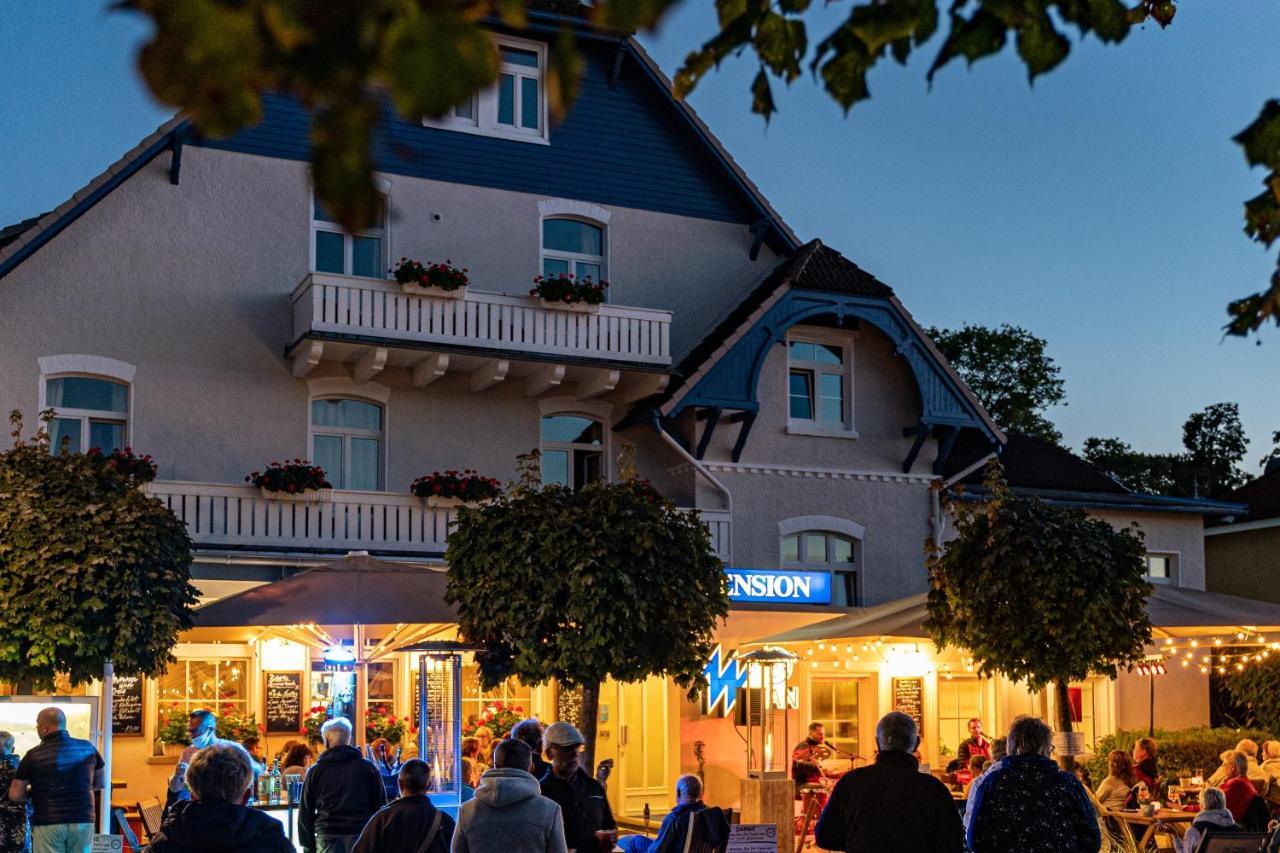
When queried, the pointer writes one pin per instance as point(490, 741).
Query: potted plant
point(435, 279)
point(298, 480)
point(380, 722)
point(564, 291)
point(451, 488)
point(135, 469)
point(314, 719)
point(498, 718)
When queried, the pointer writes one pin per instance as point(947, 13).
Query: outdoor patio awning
point(1173, 611)
point(356, 590)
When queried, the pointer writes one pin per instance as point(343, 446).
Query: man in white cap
point(582, 800)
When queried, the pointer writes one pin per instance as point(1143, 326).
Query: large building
point(196, 303)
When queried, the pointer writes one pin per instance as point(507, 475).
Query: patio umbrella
point(355, 590)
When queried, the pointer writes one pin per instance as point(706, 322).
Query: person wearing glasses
point(588, 821)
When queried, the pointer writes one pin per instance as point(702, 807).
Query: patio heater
point(439, 715)
point(768, 793)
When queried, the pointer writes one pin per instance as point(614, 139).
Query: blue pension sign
point(779, 586)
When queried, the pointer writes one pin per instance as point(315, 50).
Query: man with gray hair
point(890, 806)
point(215, 817)
point(342, 790)
point(675, 826)
point(1027, 804)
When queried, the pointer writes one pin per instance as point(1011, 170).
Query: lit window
point(1159, 567)
point(572, 450)
point(572, 247)
point(346, 441)
point(817, 383)
point(818, 550)
point(87, 413)
point(335, 251)
point(220, 686)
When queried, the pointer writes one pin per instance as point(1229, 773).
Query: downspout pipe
point(688, 457)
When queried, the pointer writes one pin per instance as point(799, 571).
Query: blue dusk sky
point(1100, 209)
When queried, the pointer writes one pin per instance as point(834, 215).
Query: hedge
point(1180, 753)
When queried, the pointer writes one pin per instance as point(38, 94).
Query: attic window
point(820, 382)
point(516, 106)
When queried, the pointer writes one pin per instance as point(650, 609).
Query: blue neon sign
point(779, 586)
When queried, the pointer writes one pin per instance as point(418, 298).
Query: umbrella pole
point(362, 687)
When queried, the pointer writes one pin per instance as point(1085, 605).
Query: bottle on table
point(277, 782)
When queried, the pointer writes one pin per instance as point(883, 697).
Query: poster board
point(283, 702)
point(753, 838)
point(908, 697)
point(126, 705)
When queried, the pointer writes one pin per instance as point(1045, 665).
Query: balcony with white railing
point(388, 523)
point(375, 313)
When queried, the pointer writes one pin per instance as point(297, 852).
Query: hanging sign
point(753, 838)
point(779, 586)
point(725, 677)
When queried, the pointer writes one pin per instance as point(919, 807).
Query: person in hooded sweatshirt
point(215, 818)
point(1213, 812)
point(342, 790)
point(405, 824)
point(509, 812)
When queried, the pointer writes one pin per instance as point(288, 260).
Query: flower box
point(306, 495)
point(454, 488)
point(412, 289)
point(581, 307)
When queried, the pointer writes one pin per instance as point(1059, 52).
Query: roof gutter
point(688, 457)
point(938, 519)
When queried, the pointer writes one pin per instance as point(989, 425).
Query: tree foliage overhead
point(1214, 443)
point(91, 569)
point(611, 581)
point(1009, 371)
point(215, 59)
point(1257, 688)
point(1038, 593)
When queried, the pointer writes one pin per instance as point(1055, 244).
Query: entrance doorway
point(642, 772)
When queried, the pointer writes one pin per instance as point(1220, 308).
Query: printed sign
point(284, 702)
point(107, 844)
point(753, 838)
point(779, 586)
point(908, 697)
point(126, 705)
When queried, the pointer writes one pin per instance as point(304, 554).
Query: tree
point(1256, 686)
point(1214, 444)
point(1009, 371)
point(215, 58)
point(1039, 594)
point(1274, 454)
point(91, 569)
point(611, 581)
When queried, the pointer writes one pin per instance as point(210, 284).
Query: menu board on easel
point(284, 702)
point(126, 705)
point(908, 697)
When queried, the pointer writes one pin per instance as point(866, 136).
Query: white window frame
point(827, 564)
point(570, 406)
point(348, 433)
point(383, 233)
point(833, 337)
point(485, 103)
point(1172, 557)
point(574, 258)
point(89, 367)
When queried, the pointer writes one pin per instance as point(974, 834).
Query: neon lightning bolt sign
point(724, 678)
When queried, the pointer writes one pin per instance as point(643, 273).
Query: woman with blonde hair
point(1114, 790)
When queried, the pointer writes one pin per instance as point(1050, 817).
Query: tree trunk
point(1062, 711)
point(590, 720)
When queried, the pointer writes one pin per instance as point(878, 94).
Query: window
point(571, 247)
point(87, 413)
point(513, 108)
point(475, 701)
point(335, 251)
point(959, 701)
point(220, 686)
point(834, 703)
point(819, 384)
point(1160, 568)
point(346, 441)
point(572, 450)
point(822, 551)
point(380, 688)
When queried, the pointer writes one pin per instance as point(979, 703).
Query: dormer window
point(516, 106)
point(820, 382)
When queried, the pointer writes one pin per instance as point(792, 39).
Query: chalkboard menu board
point(908, 697)
point(126, 705)
point(284, 702)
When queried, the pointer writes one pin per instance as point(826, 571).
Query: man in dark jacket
point(890, 806)
point(530, 732)
point(1026, 804)
point(405, 824)
point(215, 819)
point(581, 798)
point(341, 792)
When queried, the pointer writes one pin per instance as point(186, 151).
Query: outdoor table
point(288, 818)
point(1177, 819)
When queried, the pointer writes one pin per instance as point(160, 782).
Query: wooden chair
point(122, 826)
point(151, 813)
point(1231, 842)
point(708, 831)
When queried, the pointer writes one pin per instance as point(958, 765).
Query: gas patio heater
point(768, 793)
point(439, 716)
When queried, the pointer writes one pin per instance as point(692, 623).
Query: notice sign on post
point(284, 702)
point(107, 844)
point(753, 838)
point(126, 705)
point(908, 697)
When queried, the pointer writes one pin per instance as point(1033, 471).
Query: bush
point(1180, 753)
